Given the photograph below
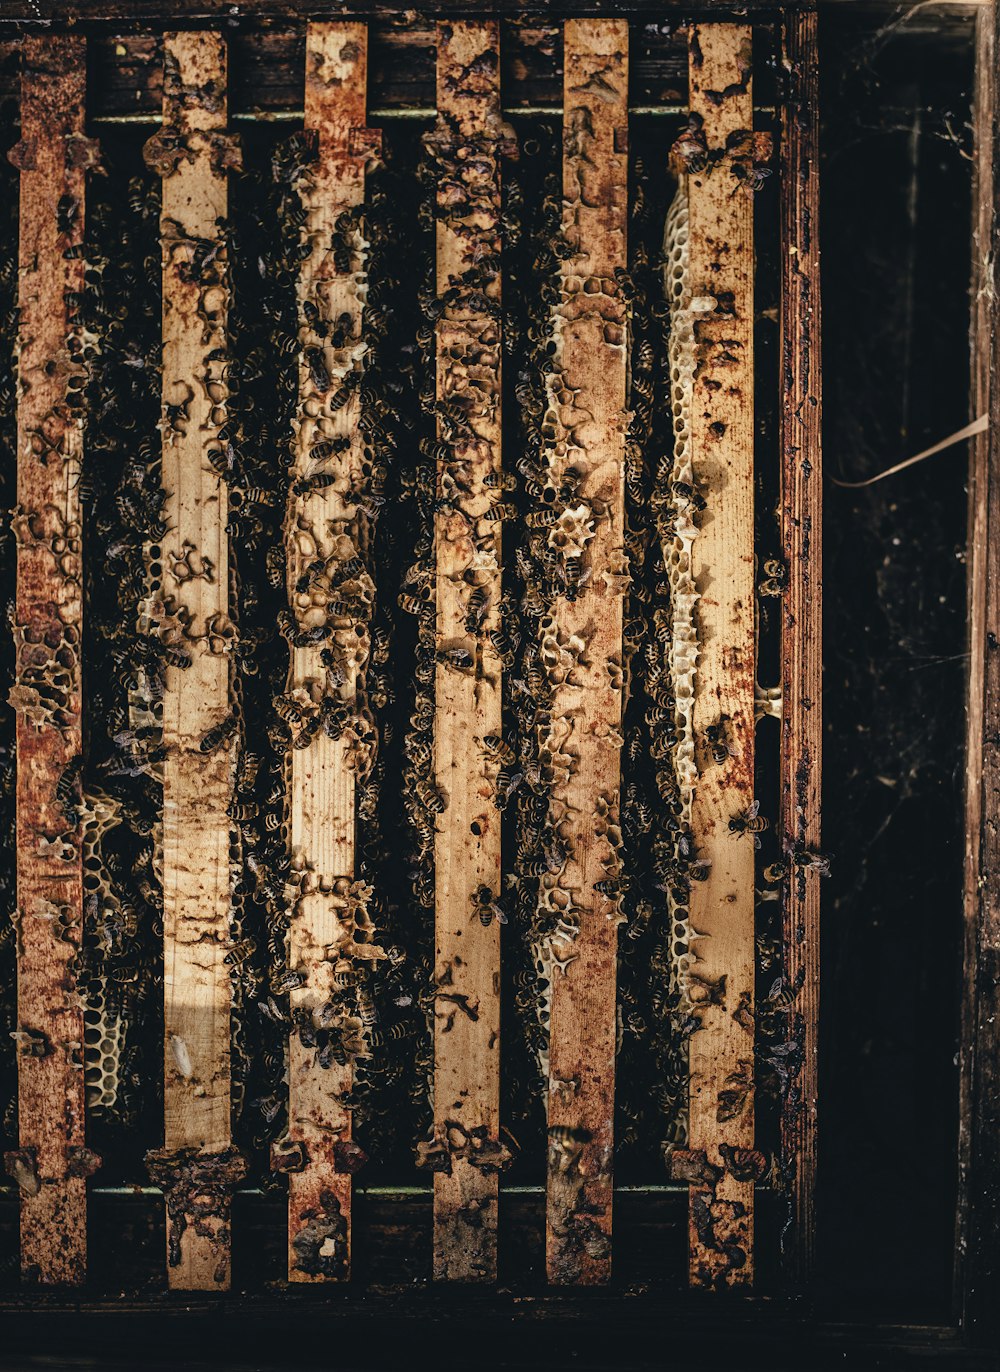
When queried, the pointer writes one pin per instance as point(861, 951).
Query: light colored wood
point(325, 531)
point(802, 617)
point(721, 980)
point(49, 1165)
point(582, 648)
point(467, 698)
point(192, 154)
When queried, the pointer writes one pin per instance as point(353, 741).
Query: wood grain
point(802, 621)
point(51, 1163)
point(467, 547)
point(582, 647)
point(324, 532)
point(977, 1249)
point(196, 1164)
point(721, 982)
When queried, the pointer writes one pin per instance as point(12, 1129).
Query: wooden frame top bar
point(47, 12)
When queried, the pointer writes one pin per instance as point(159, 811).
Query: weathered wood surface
point(197, 1165)
point(465, 149)
point(53, 11)
point(582, 646)
point(802, 620)
point(721, 981)
point(330, 597)
point(266, 67)
point(51, 1163)
point(978, 1228)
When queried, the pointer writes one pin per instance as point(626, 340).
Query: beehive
point(386, 514)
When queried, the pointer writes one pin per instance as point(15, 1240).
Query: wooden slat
point(977, 1248)
point(197, 1165)
point(587, 390)
point(721, 982)
point(802, 619)
point(467, 549)
point(49, 1165)
point(324, 531)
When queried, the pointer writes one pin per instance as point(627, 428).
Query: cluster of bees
point(386, 583)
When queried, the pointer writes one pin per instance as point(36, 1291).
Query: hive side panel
point(197, 1166)
point(979, 1153)
point(802, 617)
point(465, 150)
point(721, 980)
point(330, 598)
point(51, 1164)
point(582, 647)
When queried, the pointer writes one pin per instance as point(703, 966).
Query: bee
point(220, 734)
point(240, 952)
point(325, 449)
point(504, 510)
point(748, 821)
point(815, 862)
point(68, 789)
point(460, 658)
point(541, 519)
point(486, 908)
point(344, 392)
point(715, 736)
point(242, 812)
point(500, 481)
point(176, 657)
point(412, 604)
point(318, 482)
point(67, 214)
point(318, 373)
point(500, 748)
point(776, 577)
point(430, 796)
point(476, 608)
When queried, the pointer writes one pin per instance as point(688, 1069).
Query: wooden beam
point(51, 1163)
point(977, 1248)
point(802, 621)
point(465, 149)
point(582, 646)
point(197, 1166)
point(330, 598)
point(721, 979)
point(190, 11)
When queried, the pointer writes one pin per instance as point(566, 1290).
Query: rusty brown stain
point(53, 156)
point(802, 652)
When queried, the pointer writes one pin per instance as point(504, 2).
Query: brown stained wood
point(465, 149)
point(328, 941)
point(582, 647)
point(721, 981)
point(190, 11)
point(51, 1163)
point(197, 1165)
point(978, 1217)
point(266, 68)
point(802, 620)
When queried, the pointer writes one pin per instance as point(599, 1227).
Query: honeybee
point(748, 821)
point(715, 736)
point(222, 732)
